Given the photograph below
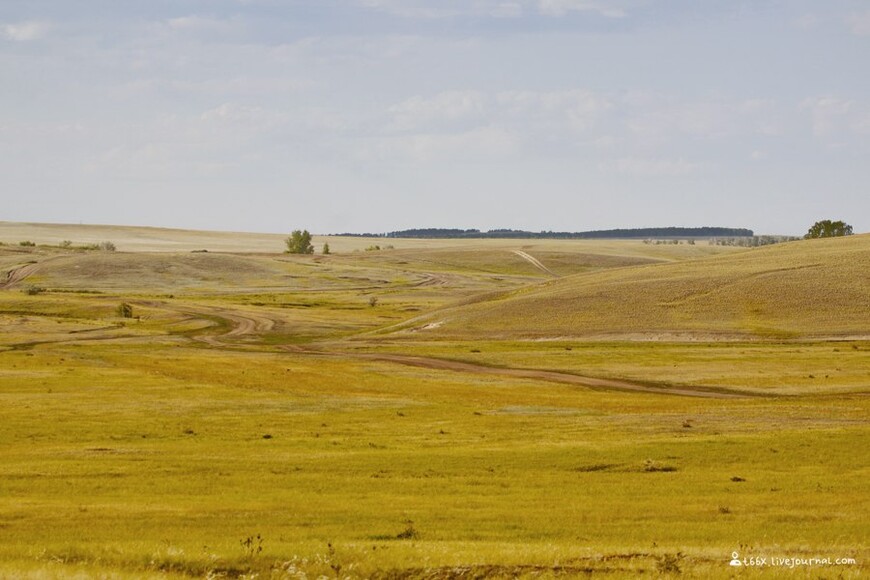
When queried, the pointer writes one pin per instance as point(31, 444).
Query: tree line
point(640, 233)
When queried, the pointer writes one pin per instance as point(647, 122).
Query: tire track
point(535, 262)
point(534, 374)
point(19, 274)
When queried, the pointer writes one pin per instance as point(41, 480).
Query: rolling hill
point(813, 288)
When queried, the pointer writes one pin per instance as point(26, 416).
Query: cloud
point(660, 117)
point(859, 23)
point(418, 9)
point(478, 144)
point(507, 10)
point(207, 27)
point(651, 167)
point(829, 115)
point(493, 8)
point(563, 7)
point(447, 108)
point(577, 109)
point(25, 31)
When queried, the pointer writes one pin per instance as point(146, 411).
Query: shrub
point(34, 290)
point(373, 301)
point(26, 244)
point(299, 242)
point(124, 310)
point(66, 244)
point(106, 246)
point(252, 545)
point(410, 532)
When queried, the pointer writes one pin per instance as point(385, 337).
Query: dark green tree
point(828, 229)
point(299, 242)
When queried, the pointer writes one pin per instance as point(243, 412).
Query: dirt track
point(16, 275)
point(242, 325)
point(535, 374)
point(535, 262)
point(250, 325)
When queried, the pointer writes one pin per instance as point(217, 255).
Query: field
point(435, 409)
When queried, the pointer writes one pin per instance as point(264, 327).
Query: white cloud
point(417, 9)
point(507, 10)
point(577, 109)
point(859, 23)
point(806, 22)
point(494, 8)
point(476, 144)
point(25, 31)
point(563, 7)
point(233, 113)
point(651, 167)
point(205, 25)
point(829, 115)
point(661, 117)
point(444, 108)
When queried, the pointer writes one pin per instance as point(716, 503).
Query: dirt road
point(18, 274)
point(535, 262)
point(535, 374)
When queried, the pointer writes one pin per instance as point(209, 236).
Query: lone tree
point(299, 242)
point(829, 229)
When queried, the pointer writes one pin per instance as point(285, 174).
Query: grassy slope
point(808, 288)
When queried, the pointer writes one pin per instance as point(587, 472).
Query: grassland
point(817, 288)
point(260, 417)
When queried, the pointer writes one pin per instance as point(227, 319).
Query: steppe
point(430, 408)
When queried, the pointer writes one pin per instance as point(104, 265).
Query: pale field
point(148, 239)
point(242, 400)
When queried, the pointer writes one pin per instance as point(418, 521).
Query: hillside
point(814, 288)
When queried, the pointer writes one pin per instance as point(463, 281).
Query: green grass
point(159, 448)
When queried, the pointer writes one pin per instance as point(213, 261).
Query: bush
point(107, 246)
point(34, 290)
point(66, 244)
point(299, 242)
point(26, 244)
point(409, 533)
point(124, 310)
point(325, 249)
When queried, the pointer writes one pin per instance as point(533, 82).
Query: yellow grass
point(238, 425)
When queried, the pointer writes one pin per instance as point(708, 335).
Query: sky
point(381, 115)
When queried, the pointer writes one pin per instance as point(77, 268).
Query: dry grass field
point(438, 409)
point(818, 288)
